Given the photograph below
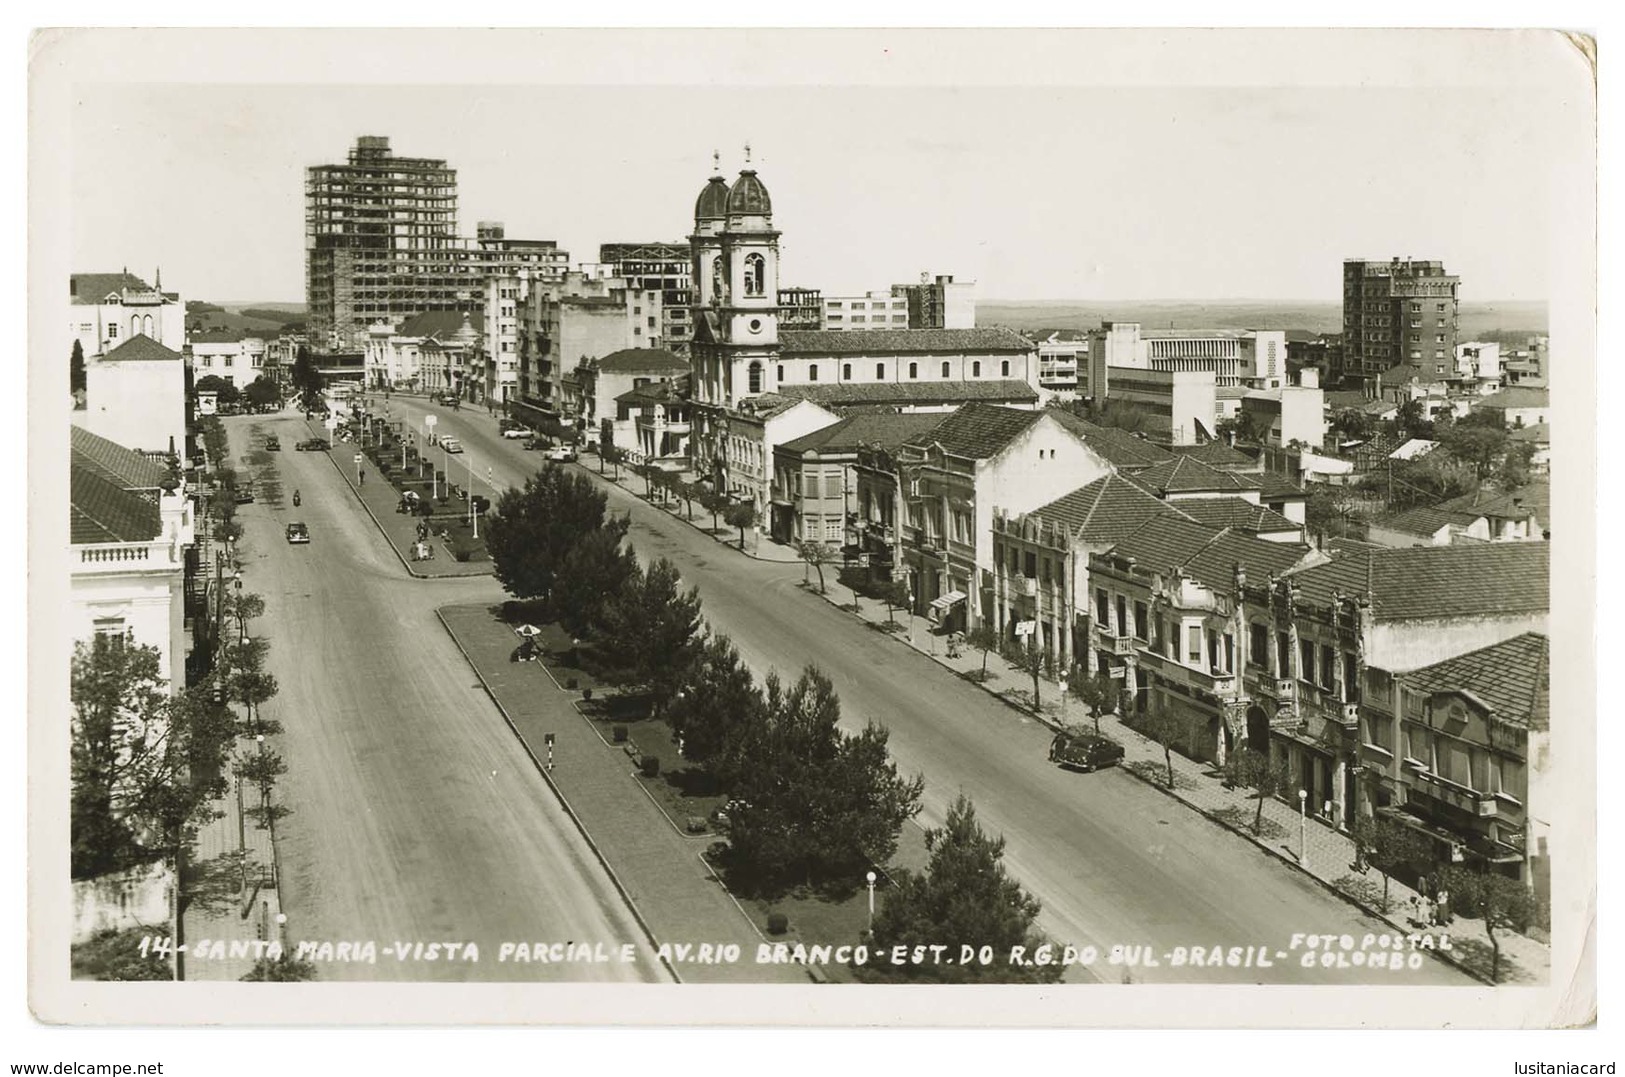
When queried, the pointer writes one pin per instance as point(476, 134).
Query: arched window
point(945, 368)
point(755, 274)
point(1004, 368)
point(846, 371)
point(976, 369)
point(914, 370)
point(755, 377)
point(135, 324)
point(146, 324)
point(880, 371)
point(812, 371)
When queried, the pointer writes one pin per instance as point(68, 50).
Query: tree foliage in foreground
point(964, 897)
point(656, 628)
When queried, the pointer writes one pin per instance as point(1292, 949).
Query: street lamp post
point(259, 738)
point(870, 878)
point(1303, 826)
point(1063, 700)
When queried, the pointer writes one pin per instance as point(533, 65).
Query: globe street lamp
point(870, 878)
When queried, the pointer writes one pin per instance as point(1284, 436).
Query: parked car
point(298, 534)
point(1084, 751)
point(243, 495)
point(516, 432)
point(451, 445)
point(533, 443)
point(562, 454)
point(314, 445)
point(272, 444)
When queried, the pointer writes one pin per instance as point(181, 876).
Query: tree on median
point(1502, 903)
point(655, 627)
point(964, 894)
point(821, 805)
point(263, 393)
point(533, 527)
point(593, 572)
point(307, 382)
point(719, 700)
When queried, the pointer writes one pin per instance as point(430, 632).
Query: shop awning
point(948, 601)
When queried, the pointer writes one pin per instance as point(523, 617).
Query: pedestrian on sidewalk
point(361, 476)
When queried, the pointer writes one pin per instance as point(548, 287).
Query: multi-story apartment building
point(604, 379)
point(815, 488)
point(1325, 643)
point(1181, 405)
point(503, 297)
point(107, 309)
point(131, 527)
point(1062, 355)
point(939, 303)
point(232, 354)
point(663, 268)
point(1472, 731)
point(950, 480)
point(1398, 311)
point(801, 308)
point(1041, 560)
point(381, 244)
point(135, 395)
point(874, 310)
point(1169, 624)
point(1251, 357)
point(564, 324)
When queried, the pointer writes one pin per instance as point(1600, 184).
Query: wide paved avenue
point(417, 816)
point(1114, 861)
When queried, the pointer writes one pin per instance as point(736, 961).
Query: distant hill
point(253, 317)
point(1476, 319)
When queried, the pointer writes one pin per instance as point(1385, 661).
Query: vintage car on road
point(451, 445)
point(313, 445)
point(1084, 751)
point(298, 534)
point(272, 444)
point(562, 454)
point(243, 495)
point(514, 433)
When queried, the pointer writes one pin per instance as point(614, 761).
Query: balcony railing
point(1026, 585)
point(125, 556)
point(1115, 644)
point(1217, 682)
point(1474, 802)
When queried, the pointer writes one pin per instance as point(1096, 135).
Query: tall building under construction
point(380, 241)
point(381, 245)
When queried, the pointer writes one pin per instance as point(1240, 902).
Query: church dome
point(747, 197)
point(713, 200)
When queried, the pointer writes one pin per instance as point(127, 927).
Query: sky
point(1134, 191)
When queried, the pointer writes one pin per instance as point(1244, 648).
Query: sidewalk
point(1329, 853)
point(757, 547)
point(660, 872)
point(228, 902)
point(380, 499)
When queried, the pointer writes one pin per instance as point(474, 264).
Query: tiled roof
point(1235, 512)
point(1186, 475)
point(978, 431)
point(1426, 520)
point(642, 361)
point(885, 429)
point(1517, 396)
point(848, 394)
point(1516, 504)
point(1118, 447)
point(901, 341)
point(91, 288)
point(654, 392)
point(1345, 398)
point(125, 468)
point(1274, 486)
point(1404, 372)
point(1208, 555)
point(1539, 433)
point(219, 336)
point(1107, 510)
point(1512, 678)
point(102, 511)
point(139, 347)
point(1215, 454)
point(1434, 582)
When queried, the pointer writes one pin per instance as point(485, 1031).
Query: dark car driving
point(1084, 751)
